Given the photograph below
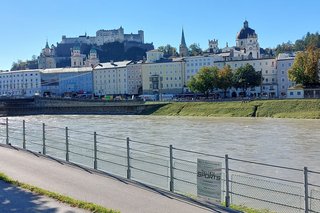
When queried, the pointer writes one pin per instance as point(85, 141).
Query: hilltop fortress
point(106, 36)
point(87, 50)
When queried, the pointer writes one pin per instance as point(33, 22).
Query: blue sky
point(25, 25)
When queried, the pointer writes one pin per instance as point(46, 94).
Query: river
point(284, 142)
point(289, 142)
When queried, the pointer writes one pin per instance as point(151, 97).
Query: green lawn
point(307, 109)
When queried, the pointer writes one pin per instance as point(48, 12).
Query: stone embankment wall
point(36, 106)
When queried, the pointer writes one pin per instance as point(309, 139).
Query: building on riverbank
point(20, 83)
point(284, 63)
point(117, 78)
point(66, 81)
point(268, 68)
point(163, 76)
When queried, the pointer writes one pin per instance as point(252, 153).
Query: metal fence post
point(171, 170)
point(67, 145)
point(227, 198)
point(128, 159)
point(95, 165)
point(7, 131)
point(306, 190)
point(24, 134)
point(43, 138)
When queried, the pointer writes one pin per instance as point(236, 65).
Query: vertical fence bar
point(227, 198)
point(306, 190)
point(128, 159)
point(7, 131)
point(67, 145)
point(171, 170)
point(95, 163)
point(24, 134)
point(43, 138)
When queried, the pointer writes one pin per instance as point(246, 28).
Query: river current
point(288, 142)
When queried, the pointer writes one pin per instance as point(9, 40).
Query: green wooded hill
point(302, 109)
point(115, 51)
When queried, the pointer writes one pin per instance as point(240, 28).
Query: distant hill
point(310, 39)
point(115, 51)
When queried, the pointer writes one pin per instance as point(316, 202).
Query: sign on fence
point(209, 179)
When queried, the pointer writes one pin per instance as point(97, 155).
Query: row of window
point(18, 75)
point(167, 86)
point(200, 64)
point(18, 86)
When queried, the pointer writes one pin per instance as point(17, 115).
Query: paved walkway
point(15, 199)
point(86, 185)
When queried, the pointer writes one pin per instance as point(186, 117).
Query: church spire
point(47, 45)
point(183, 41)
point(183, 49)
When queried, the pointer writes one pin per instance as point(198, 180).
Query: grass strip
point(249, 210)
point(296, 108)
point(62, 198)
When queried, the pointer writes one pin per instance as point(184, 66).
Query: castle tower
point(141, 34)
point(247, 41)
point(47, 59)
point(183, 49)
point(46, 51)
point(213, 46)
point(93, 59)
point(76, 57)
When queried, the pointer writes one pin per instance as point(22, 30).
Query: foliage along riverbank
point(302, 109)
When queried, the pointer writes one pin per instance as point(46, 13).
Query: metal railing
point(275, 188)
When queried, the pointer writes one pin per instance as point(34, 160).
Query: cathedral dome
point(246, 32)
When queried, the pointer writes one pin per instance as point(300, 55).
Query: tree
point(246, 77)
point(225, 79)
point(285, 47)
point(305, 68)
point(204, 81)
point(168, 50)
point(19, 65)
point(195, 49)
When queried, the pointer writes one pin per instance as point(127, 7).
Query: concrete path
point(15, 199)
point(83, 184)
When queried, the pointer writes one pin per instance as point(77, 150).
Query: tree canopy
point(305, 69)
point(225, 79)
point(194, 49)
point(246, 77)
point(204, 81)
point(168, 50)
point(27, 64)
point(310, 39)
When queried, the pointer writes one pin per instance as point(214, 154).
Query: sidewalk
point(84, 184)
point(15, 199)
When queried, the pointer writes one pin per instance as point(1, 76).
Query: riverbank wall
point(302, 109)
point(36, 106)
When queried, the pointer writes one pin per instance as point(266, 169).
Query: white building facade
point(20, 83)
point(111, 79)
point(268, 68)
point(134, 80)
point(195, 63)
point(166, 77)
point(283, 65)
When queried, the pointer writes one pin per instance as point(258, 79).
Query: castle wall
point(106, 36)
